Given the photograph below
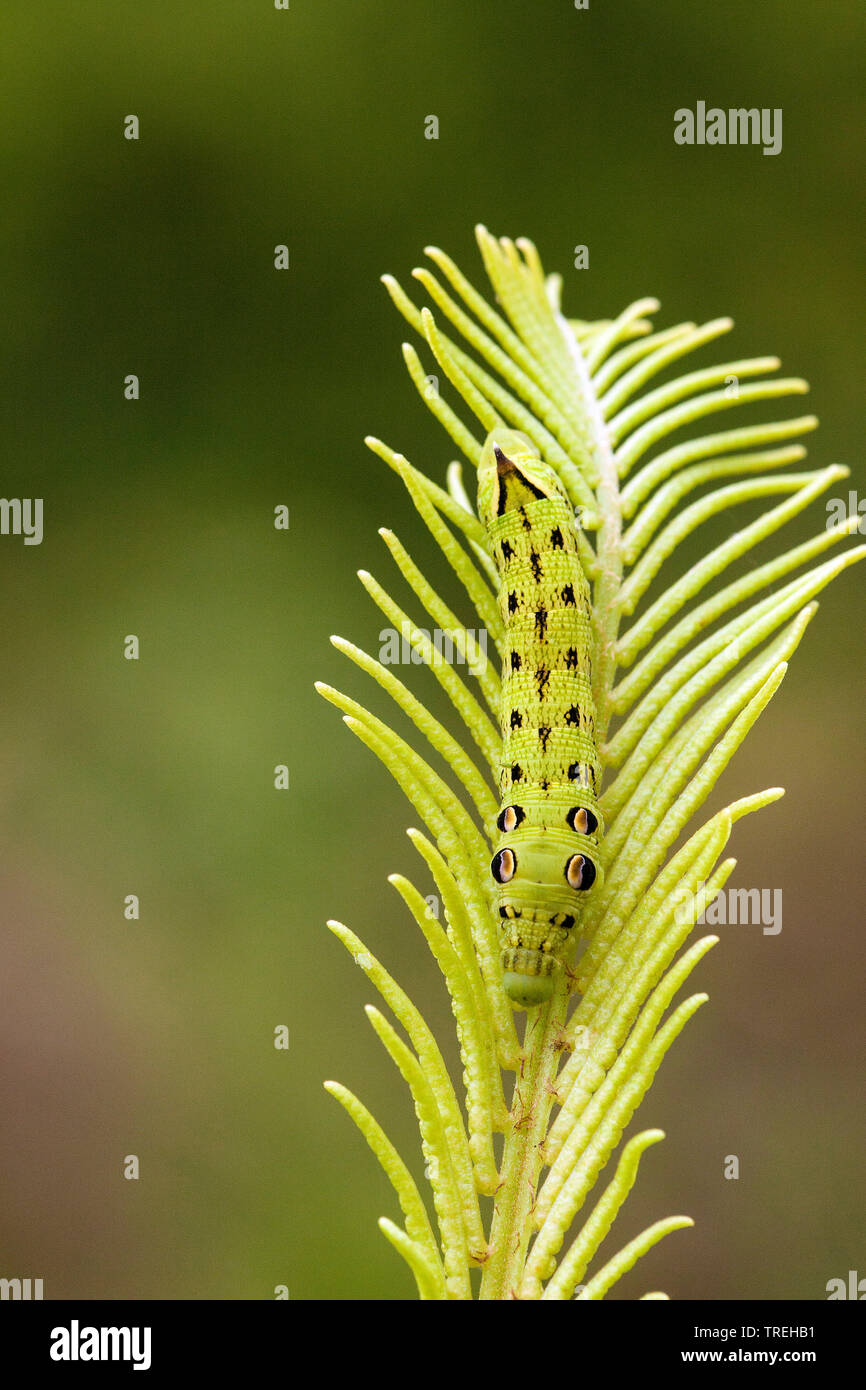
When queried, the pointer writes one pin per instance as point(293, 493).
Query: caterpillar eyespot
point(580, 872)
point(547, 715)
point(503, 866)
point(510, 817)
point(581, 819)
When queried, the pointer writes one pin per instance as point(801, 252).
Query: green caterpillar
point(549, 766)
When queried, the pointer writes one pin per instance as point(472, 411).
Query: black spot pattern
point(546, 718)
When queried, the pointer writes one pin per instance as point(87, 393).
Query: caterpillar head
point(511, 474)
point(542, 869)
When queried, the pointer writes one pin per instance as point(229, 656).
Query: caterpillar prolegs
point(549, 817)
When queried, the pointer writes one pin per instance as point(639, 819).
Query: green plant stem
point(522, 1163)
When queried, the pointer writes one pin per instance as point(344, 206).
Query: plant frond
point(426, 1272)
point(679, 678)
point(573, 1267)
point(629, 1256)
point(418, 1231)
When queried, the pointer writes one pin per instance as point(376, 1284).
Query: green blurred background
point(155, 777)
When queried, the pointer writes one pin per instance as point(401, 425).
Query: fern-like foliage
point(676, 691)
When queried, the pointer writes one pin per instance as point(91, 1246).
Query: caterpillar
point(549, 769)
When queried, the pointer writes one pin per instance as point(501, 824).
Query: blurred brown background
point(154, 777)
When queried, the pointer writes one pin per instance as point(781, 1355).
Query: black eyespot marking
point(513, 602)
point(516, 772)
point(566, 921)
point(582, 820)
point(516, 719)
point(503, 865)
point(507, 550)
point(556, 538)
point(535, 562)
point(580, 872)
point(572, 715)
point(571, 659)
point(509, 818)
point(541, 622)
point(568, 596)
point(576, 773)
point(515, 661)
